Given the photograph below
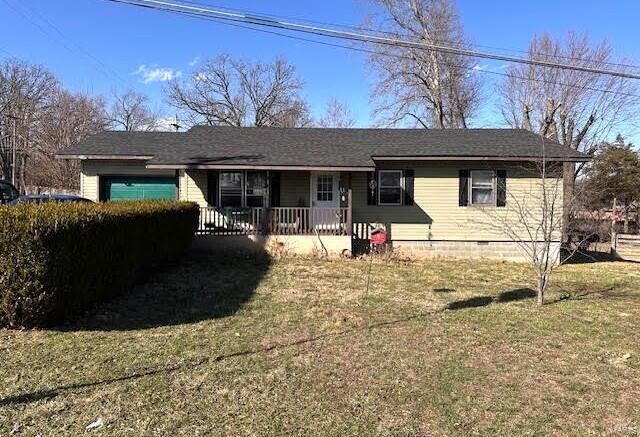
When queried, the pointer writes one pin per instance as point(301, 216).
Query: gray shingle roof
point(316, 147)
point(125, 143)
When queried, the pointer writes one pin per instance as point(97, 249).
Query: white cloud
point(167, 124)
point(487, 67)
point(156, 74)
point(194, 61)
point(201, 77)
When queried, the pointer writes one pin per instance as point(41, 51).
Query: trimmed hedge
point(57, 259)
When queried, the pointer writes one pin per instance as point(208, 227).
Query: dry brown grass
point(295, 346)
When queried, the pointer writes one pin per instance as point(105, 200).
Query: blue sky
point(95, 46)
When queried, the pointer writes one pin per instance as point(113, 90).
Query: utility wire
point(397, 56)
point(389, 33)
point(81, 49)
point(3, 50)
point(354, 36)
point(63, 41)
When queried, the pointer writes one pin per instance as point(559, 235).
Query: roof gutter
point(481, 158)
point(105, 157)
point(256, 167)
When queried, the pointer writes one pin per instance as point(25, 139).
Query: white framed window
point(231, 188)
point(243, 189)
point(255, 189)
point(324, 188)
point(482, 187)
point(390, 187)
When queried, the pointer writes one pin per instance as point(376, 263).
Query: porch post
point(349, 212)
point(266, 221)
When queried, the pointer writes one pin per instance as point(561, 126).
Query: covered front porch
point(274, 202)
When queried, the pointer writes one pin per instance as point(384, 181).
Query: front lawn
point(298, 346)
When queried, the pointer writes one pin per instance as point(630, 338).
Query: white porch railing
point(275, 221)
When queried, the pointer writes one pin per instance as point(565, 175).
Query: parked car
point(8, 193)
point(42, 198)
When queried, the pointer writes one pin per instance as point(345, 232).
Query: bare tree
point(67, 120)
point(228, 91)
point(429, 88)
point(579, 108)
point(24, 92)
point(533, 220)
point(337, 114)
point(533, 216)
point(130, 111)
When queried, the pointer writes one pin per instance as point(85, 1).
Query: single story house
point(325, 189)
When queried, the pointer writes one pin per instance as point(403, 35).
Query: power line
point(369, 51)
point(3, 50)
point(85, 52)
point(383, 32)
point(63, 41)
point(354, 36)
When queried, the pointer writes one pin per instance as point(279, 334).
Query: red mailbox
point(378, 238)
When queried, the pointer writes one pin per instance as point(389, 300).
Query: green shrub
point(57, 259)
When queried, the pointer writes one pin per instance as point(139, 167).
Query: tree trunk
point(569, 181)
point(543, 281)
point(612, 250)
point(5, 165)
point(626, 218)
point(541, 287)
point(21, 177)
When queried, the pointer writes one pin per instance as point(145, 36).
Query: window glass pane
point(482, 178)
point(390, 195)
point(256, 188)
point(256, 183)
point(390, 178)
point(230, 200)
point(390, 187)
point(231, 189)
point(324, 188)
point(481, 195)
point(231, 180)
point(255, 201)
point(482, 187)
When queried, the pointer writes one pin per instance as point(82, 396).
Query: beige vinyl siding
point(193, 186)
point(435, 214)
point(294, 188)
point(90, 170)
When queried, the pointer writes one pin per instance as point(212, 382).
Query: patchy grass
point(297, 346)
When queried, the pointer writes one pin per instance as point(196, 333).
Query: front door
point(325, 199)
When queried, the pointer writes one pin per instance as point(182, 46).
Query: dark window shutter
point(212, 188)
point(463, 199)
point(372, 188)
point(501, 187)
point(274, 189)
point(102, 189)
point(408, 186)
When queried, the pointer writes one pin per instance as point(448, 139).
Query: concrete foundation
point(331, 245)
point(495, 250)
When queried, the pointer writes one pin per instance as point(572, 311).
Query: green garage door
point(139, 188)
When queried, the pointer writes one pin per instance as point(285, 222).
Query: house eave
point(104, 157)
point(480, 158)
point(257, 167)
